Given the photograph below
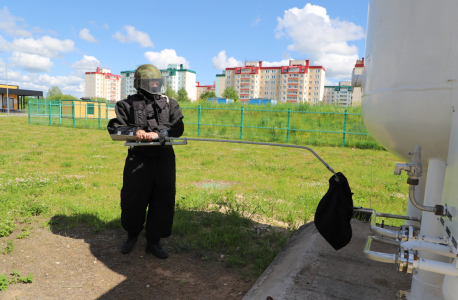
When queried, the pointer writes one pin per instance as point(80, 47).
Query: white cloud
point(86, 64)
point(323, 39)
point(42, 82)
point(284, 62)
point(255, 22)
point(221, 62)
point(105, 26)
point(31, 62)
point(165, 57)
point(133, 35)
point(37, 29)
point(87, 36)
point(52, 32)
point(8, 24)
point(45, 46)
point(328, 82)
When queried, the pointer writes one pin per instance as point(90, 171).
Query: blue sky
point(51, 43)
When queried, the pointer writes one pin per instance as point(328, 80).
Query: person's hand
point(150, 136)
point(140, 135)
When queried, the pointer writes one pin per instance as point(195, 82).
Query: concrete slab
point(309, 268)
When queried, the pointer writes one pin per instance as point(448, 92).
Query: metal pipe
point(266, 144)
point(386, 241)
point(435, 266)
point(428, 247)
point(377, 256)
point(383, 215)
point(184, 142)
point(418, 205)
point(385, 232)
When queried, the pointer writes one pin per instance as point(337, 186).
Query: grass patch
point(14, 278)
point(264, 123)
point(276, 186)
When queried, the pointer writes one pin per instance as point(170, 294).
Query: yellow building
point(89, 110)
point(16, 96)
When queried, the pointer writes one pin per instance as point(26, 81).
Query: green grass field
point(70, 176)
point(313, 125)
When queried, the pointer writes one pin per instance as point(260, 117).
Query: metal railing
point(288, 129)
point(250, 124)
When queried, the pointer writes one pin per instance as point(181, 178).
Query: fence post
point(73, 113)
point(198, 121)
point(49, 113)
point(60, 112)
point(85, 113)
point(241, 123)
point(289, 122)
point(28, 104)
point(344, 129)
point(106, 105)
point(100, 109)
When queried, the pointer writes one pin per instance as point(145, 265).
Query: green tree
point(170, 92)
point(61, 97)
point(182, 96)
point(53, 91)
point(206, 95)
point(230, 93)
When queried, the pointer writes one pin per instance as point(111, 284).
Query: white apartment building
point(296, 83)
point(103, 84)
point(127, 84)
point(358, 91)
point(340, 95)
point(176, 76)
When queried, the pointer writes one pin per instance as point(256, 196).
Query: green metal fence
point(287, 126)
point(280, 126)
point(70, 113)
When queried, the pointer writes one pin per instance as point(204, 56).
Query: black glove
point(162, 135)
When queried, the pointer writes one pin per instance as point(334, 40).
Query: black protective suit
point(149, 176)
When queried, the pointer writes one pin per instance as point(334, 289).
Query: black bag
point(334, 212)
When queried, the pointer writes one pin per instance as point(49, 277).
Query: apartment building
point(358, 91)
point(127, 84)
point(296, 83)
point(103, 84)
point(200, 89)
point(220, 84)
point(340, 95)
point(177, 78)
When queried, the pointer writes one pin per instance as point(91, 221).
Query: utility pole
point(7, 94)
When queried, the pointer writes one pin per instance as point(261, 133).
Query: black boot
point(128, 245)
point(156, 250)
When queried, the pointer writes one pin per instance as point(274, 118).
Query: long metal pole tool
point(183, 141)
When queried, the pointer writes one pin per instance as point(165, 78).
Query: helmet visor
point(153, 85)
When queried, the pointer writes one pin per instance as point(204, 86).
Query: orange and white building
point(200, 89)
point(103, 84)
point(296, 83)
point(357, 91)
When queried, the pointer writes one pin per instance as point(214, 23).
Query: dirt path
point(84, 265)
